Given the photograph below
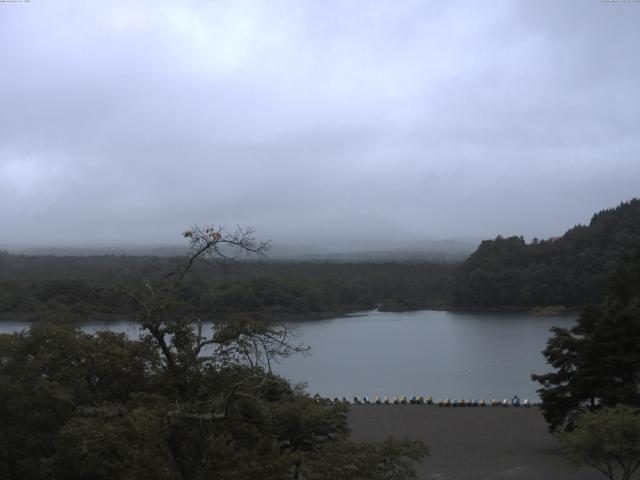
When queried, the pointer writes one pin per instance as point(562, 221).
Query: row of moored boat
point(403, 400)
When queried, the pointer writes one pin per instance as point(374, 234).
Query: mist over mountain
point(429, 250)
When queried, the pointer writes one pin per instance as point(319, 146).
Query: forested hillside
point(30, 285)
point(571, 270)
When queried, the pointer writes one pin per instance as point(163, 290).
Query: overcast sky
point(346, 123)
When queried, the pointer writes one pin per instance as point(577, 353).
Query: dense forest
point(597, 361)
point(571, 270)
point(175, 404)
point(81, 285)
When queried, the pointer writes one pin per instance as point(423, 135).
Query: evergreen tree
point(597, 362)
point(571, 270)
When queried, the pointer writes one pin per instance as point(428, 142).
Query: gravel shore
point(471, 443)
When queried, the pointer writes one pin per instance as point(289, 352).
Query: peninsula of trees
point(571, 270)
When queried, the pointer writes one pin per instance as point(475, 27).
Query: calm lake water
point(443, 354)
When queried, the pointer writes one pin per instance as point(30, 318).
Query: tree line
point(571, 270)
point(34, 285)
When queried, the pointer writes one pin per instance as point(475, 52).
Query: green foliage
point(176, 404)
point(387, 460)
point(571, 270)
point(597, 362)
point(49, 371)
point(111, 441)
point(37, 285)
point(607, 440)
point(79, 406)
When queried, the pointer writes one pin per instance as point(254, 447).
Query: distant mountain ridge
point(447, 250)
point(571, 270)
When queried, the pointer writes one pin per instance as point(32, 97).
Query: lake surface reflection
point(443, 354)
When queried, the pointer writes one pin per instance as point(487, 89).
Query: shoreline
point(551, 311)
point(548, 310)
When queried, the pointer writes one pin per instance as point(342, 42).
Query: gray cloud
point(339, 123)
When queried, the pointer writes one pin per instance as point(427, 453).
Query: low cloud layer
point(327, 123)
